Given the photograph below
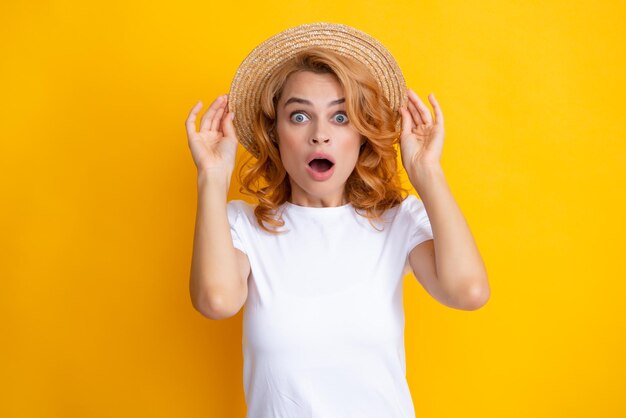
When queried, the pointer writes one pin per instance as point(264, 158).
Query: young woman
point(318, 262)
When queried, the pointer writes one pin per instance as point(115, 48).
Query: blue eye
point(341, 118)
point(298, 117)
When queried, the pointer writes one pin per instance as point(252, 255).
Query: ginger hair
point(373, 186)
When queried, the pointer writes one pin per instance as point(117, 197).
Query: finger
point(205, 123)
point(212, 113)
point(190, 123)
point(422, 108)
point(216, 123)
point(227, 125)
point(221, 114)
point(407, 122)
point(416, 115)
point(437, 108)
point(217, 119)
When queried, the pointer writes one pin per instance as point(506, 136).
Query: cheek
point(286, 134)
point(291, 144)
point(288, 154)
point(352, 153)
point(352, 146)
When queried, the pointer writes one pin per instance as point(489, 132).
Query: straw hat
point(254, 71)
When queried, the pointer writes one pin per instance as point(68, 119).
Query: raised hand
point(421, 140)
point(214, 147)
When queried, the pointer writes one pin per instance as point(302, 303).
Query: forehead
point(310, 85)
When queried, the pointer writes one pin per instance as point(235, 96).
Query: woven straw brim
point(256, 68)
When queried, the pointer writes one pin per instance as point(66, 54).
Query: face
point(311, 118)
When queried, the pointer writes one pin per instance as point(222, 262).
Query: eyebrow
point(307, 102)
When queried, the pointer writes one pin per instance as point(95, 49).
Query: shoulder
point(239, 205)
point(411, 212)
point(237, 208)
point(402, 212)
point(413, 206)
point(410, 202)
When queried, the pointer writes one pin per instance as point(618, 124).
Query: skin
point(320, 125)
point(449, 266)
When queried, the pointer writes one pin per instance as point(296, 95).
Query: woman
point(324, 321)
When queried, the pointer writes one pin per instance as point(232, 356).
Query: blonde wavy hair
point(374, 185)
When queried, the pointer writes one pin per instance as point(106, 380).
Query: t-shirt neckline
point(310, 210)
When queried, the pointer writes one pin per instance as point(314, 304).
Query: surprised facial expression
point(318, 145)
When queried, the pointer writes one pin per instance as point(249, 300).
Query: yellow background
point(99, 199)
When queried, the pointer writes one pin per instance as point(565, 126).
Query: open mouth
point(321, 165)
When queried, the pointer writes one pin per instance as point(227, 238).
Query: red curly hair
point(374, 185)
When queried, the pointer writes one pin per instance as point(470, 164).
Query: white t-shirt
point(323, 324)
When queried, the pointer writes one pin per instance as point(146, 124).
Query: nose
point(319, 136)
point(319, 140)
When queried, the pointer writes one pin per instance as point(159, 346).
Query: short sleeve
point(235, 218)
point(418, 223)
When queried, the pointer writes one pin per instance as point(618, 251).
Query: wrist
point(427, 179)
point(214, 179)
point(424, 173)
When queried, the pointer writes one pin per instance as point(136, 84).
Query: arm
point(450, 266)
point(219, 271)
point(218, 282)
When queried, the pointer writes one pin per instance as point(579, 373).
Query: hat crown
point(262, 61)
